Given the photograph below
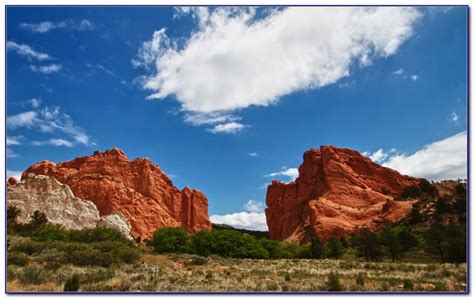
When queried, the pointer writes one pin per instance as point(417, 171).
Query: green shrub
point(409, 192)
point(335, 248)
point(50, 232)
point(333, 284)
point(318, 251)
point(33, 274)
point(197, 261)
point(28, 247)
point(12, 214)
point(439, 287)
point(72, 284)
point(171, 239)
point(408, 285)
point(228, 243)
point(17, 258)
point(38, 218)
point(98, 234)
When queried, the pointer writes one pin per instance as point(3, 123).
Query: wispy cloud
point(291, 173)
point(99, 67)
point(454, 118)
point(54, 141)
point(402, 74)
point(24, 119)
point(27, 51)
point(253, 155)
point(253, 218)
point(46, 69)
point(227, 128)
point(46, 26)
point(14, 140)
point(35, 102)
point(50, 120)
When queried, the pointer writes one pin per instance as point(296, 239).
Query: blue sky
point(225, 100)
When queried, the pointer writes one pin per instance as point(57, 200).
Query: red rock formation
point(338, 192)
point(138, 189)
point(12, 181)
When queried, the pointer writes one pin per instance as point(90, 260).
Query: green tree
point(12, 214)
point(415, 216)
point(336, 250)
point(318, 251)
point(368, 245)
point(390, 241)
point(38, 218)
point(407, 239)
point(427, 188)
point(171, 239)
point(435, 238)
point(410, 192)
point(455, 247)
point(203, 243)
point(275, 249)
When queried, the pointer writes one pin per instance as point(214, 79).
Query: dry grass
point(165, 273)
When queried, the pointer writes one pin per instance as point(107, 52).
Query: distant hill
point(257, 234)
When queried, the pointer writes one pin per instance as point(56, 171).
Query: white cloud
point(199, 119)
point(402, 74)
point(100, 67)
point(53, 141)
point(46, 26)
point(444, 159)
point(253, 218)
point(14, 173)
point(234, 60)
point(46, 69)
point(24, 119)
point(227, 128)
point(11, 153)
point(378, 156)
point(50, 120)
point(398, 72)
point(253, 155)
point(253, 206)
point(27, 51)
point(14, 140)
point(35, 103)
point(292, 173)
point(454, 117)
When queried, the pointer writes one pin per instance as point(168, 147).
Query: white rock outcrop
point(117, 221)
point(57, 201)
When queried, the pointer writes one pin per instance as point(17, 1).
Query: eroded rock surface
point(56, 200)
point(136, 188)
point(338, 192)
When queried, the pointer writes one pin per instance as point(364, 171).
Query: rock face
point(12, 181)
point(54, 199)
point(117, 221)
point(136, 188)
point(338, 192)
point(47, 195)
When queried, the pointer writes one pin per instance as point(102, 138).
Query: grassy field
point(181, 273)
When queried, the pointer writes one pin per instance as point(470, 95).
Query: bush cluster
point(89, 247)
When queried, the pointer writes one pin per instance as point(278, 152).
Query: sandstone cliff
point(338, 192)
point(136, 188)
